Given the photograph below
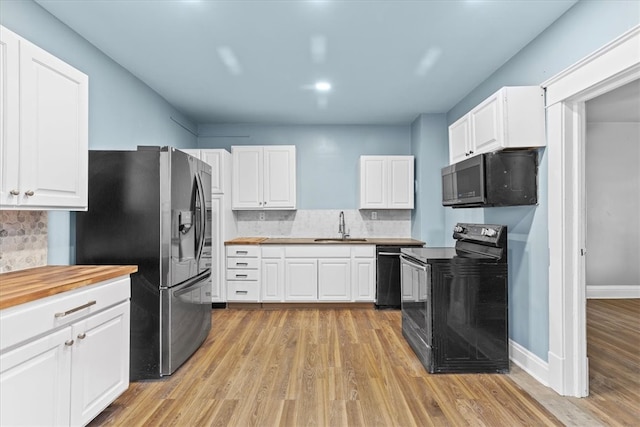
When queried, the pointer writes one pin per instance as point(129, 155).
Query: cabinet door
point(301, 279)
point(334, 279)
point(280, 177)
point(9, 117)
point(214, 158)
point(373, 182)
point(217, 250)
point(53, 131)
point(100, 370)
point(246, 184)
point(363, 281)
point(34, 386)
point(272, 279)
point(459, 140)
point(486, 124)
point(400, 186)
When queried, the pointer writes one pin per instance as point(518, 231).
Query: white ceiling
point(387, 61)
point(619, 105)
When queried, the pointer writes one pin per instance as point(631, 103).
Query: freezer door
point(185, 323)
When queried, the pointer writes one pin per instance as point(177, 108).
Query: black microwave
point(502, 178)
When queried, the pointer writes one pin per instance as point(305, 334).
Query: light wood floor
point(329, 367)
point(338, 367)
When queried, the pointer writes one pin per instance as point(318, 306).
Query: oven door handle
point(413, 264)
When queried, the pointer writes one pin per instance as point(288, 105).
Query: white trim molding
point(613, 292)
point(610, 67)
point(529, 362)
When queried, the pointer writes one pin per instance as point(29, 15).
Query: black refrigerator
point(152, 208)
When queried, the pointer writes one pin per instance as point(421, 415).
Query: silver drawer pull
point(82, 336)
point(73, 310)
point(242, 292)
point(242, 264)
point(242, 252)
point(241, 275)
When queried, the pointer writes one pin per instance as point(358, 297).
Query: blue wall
point(583, 29)
point(123, 111)
point(429, 143)
point(327, 156)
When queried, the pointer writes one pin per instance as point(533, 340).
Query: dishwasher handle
point(413, 264)
point(389, 253)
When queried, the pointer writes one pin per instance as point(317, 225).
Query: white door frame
point(608, 68)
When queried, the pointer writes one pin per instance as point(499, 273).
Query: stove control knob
point(489, 232)
point(458, 229)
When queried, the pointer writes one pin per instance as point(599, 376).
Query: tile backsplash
point(324, 223)
point(23, 240)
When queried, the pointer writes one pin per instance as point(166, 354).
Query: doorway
point(613, 66)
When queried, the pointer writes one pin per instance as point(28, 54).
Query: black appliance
point(388, 289)
point(502, 178)
point(454, 304)
point(150, 208)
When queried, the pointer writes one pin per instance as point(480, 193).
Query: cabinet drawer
point(249, 275)
point(363, 251)
point(317, 251)
point(242, 291)
point(243, 263)
point(241, 251)
point(35, 318)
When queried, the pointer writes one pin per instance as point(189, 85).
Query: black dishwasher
point(388, 288)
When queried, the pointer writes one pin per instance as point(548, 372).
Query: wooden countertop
point(19, 287)
point(379, 241)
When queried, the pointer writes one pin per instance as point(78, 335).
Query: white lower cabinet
point(65, 368)
point(334, 279)
point(301, 279)
point(243, 273)
point(316, 273)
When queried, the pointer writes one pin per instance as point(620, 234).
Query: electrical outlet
point(374, 215)
point(261, 216)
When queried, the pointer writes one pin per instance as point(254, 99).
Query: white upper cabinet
point(386, 182)
point(43, 129)
point(513, 117)
point(264, 177)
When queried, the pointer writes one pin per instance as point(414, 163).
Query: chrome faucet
point(341, 226)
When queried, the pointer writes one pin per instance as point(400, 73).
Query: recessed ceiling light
point(323, 86)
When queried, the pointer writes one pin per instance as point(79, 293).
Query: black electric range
point(455, 302)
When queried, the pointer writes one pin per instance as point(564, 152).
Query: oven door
point(416, 303)
point(185, 321)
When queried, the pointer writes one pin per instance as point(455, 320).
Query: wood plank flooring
point(318, 367)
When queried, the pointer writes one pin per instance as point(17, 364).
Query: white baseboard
point(630, 291)
point(529, 362)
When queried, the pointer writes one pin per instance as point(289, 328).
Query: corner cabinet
point(386, 182)
point(65, 358)
point(264, 177)
point(513, 117)
point(43, 130)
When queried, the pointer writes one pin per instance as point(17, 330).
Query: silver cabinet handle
point(14, 192)
point(242, 252)
point(242, 292)
point(241, 275)
point(68, 343)
point(29, 193)
point(73, 310)
point(82, 336)
point(243, 264)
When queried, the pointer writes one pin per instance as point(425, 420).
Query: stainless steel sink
point(338, 240)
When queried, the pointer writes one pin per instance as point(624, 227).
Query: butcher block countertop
point(379, 241)
point(19, 287)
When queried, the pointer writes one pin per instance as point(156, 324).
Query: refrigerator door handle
point(203, 216)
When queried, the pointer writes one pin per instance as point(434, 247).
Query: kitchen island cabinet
point(44, 121)
point(63, 357)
